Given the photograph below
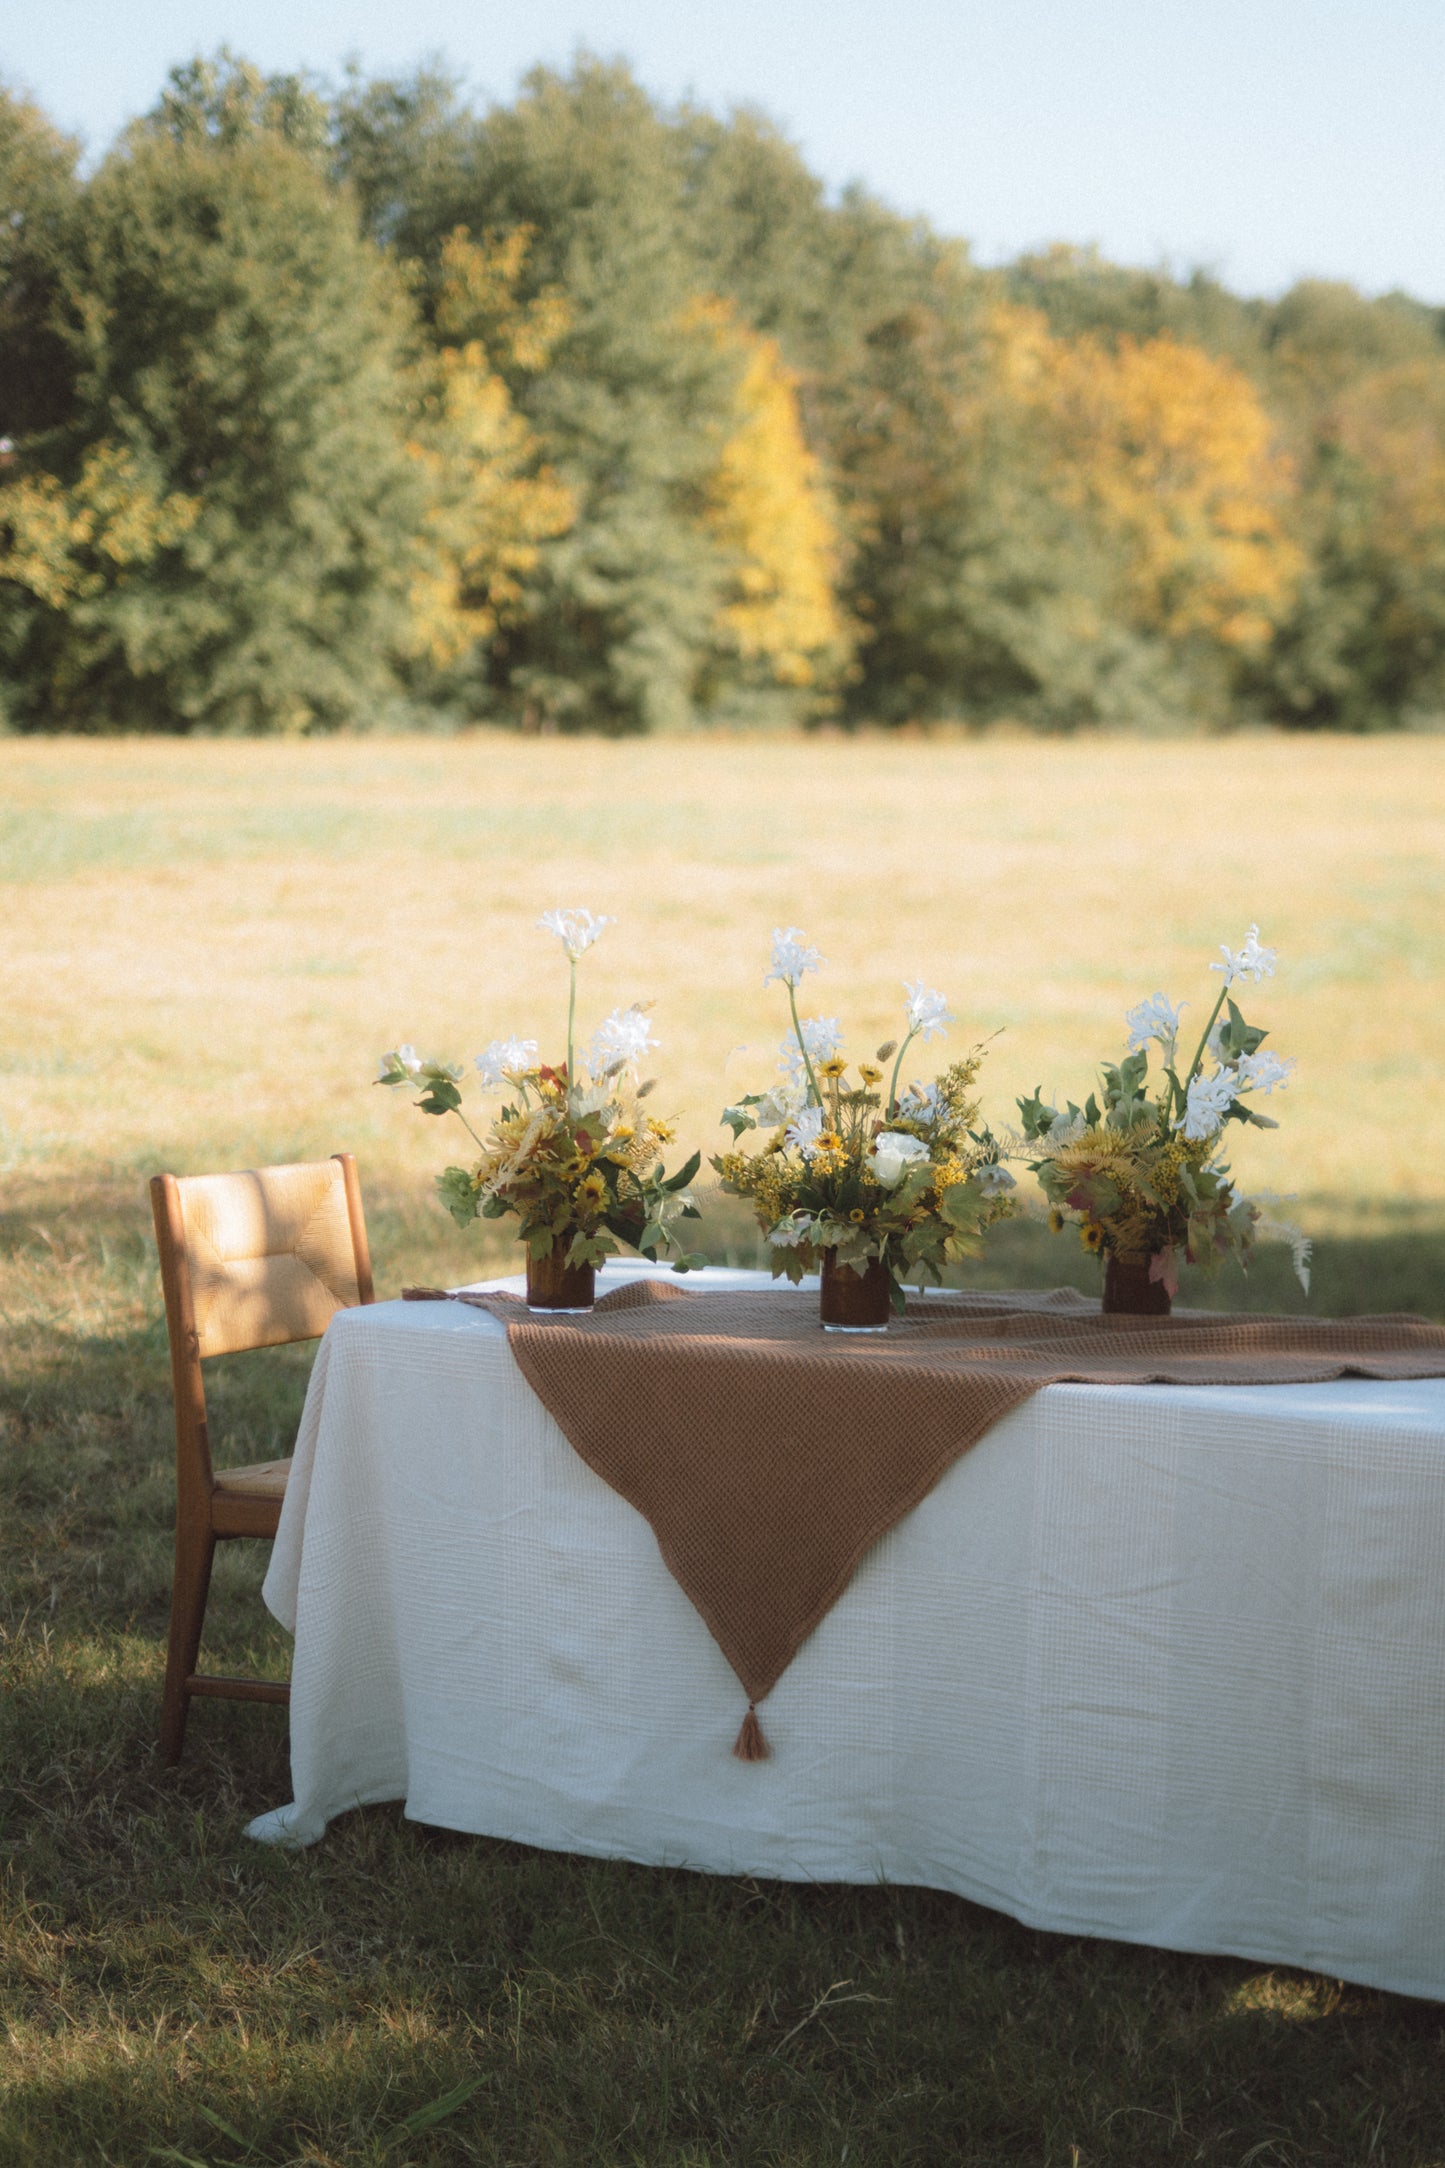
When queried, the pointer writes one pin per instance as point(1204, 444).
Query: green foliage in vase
point(1143, 1175)
point(851, 1165)
point(573, 1155)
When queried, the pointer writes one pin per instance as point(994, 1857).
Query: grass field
point(205, 948)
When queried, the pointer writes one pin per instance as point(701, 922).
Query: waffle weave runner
point(767, 1456)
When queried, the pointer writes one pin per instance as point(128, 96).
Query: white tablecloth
point(1162, 1663)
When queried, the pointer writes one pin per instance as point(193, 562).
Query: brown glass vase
point(560, 1290)
point(853, 1301)
point(1129, 1291)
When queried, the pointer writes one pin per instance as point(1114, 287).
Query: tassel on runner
point(750, 1744)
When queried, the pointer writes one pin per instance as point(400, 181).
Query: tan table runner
point(768, 1456)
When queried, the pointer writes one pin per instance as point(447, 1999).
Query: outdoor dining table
point(1159, 1663)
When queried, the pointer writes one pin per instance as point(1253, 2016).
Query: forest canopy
point(328, 407)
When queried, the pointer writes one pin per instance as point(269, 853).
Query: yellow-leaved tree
point(1168, 451)
point(66, 550)
point(494, 499)
point(62, 544)
point(767, 506)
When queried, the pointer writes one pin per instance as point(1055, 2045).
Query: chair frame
point(205, 1514)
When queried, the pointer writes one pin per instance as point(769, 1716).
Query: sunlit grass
point(206, 946)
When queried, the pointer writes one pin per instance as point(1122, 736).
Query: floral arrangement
point(572, 1154)
point(1143, 1175)
point(856, 1168)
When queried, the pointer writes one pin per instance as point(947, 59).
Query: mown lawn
point(206, 946)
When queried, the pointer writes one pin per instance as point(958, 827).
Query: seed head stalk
point(897, 1066)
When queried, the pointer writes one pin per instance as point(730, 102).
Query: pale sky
point(1267, 140)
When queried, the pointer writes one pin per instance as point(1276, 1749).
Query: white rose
point(893, 1153)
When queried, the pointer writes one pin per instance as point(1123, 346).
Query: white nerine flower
point(822, 1036)
point(576, 930)
point(1206, 1105)
point(921, 1103)
point(781, 1104)
point(928, 1012)
point(993, 1181)
point(620, 1039)
point(402, 1057)
point(893, 1153)
point(1249, 962)
point(1156, 1018)
point(792, 956)
point(804, 1132)
point(1262, 1071)
point(504, 1058)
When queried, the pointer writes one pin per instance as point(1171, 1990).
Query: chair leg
point(194, 1553)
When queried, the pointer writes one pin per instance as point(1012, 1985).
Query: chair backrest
point(254, 1260)
point(271, 1255)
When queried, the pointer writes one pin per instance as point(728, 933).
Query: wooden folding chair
point(247, 1261)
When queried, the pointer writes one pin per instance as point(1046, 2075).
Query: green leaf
point(441, 1097)
point(541, 1242)
point(436, 2111)
point(685, 1174)
point(1037, 1118)
point(960, 1205)
point(227, 2130)
point(458, 1193)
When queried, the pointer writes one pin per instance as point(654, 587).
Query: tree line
point(338, 407)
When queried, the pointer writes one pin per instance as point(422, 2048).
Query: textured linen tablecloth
point(1160, 1663)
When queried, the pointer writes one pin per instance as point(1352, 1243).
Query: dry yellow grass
point(208, 943)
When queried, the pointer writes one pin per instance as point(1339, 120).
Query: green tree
point(622, 204)
point(38, 198)
point(237, 342)
point(621, 607)
point(1358, 390)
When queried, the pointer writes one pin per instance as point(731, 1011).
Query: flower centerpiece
point(1143, 1175)
point(572, 1154)
point(870, 1185)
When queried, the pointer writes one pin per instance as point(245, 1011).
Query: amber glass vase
point(557, 1289)
point(852, 1301)
point(1129, 1291)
